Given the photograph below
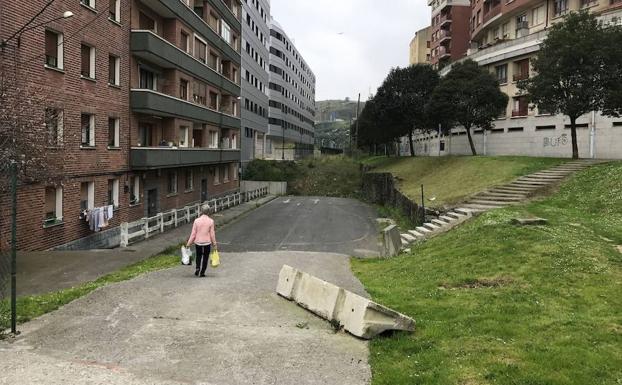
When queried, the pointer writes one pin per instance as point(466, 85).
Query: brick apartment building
point(143, 99)
point(449, 30)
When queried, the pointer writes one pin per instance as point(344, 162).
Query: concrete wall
point(380, 188)
point(274, 188)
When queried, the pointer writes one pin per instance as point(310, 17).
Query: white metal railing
point(145, 228)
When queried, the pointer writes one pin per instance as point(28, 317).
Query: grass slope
point(499, 304)
point(451, 179)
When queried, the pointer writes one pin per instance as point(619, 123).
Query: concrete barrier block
point(357, 315)
point(391, 241)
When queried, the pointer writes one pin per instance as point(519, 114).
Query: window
point(114, 10)
point(189, 180)
point(234, 142)
point(213, 139)
point(521, 70)
point(213, 100)
point(87, 195)
point(88, 61)
point(172, 182)
point(183, 136)
point(560, 7)
point(54, 126)
point(183, 89)
point(88, 130)
point(213, 61)
point(502, 73)
point(113, 132)
point(520, 106)
point(53, 49)
point(505, 31)
point(588, 3)
point(146, 23)
point(199, 93)
point(216, 175)
point(53, 205)
point(88, 3)
point(184, 41)
point(225, 173)
point(134, 190)
point(225, 32)
point(200, 50)
point(114, 69)
point(113, 192)
point(147, 79)
point(213, 21)
point(537, 15)
point(236, 167)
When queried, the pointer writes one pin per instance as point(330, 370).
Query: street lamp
point(25, 27)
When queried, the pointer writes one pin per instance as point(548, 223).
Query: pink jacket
point(203, 231)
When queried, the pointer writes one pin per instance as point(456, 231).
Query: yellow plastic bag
point(215, 258)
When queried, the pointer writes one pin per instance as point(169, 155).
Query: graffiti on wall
point(556, 142)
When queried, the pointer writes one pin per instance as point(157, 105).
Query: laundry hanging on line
point(98, 217)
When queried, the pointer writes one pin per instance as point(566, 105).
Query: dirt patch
point(479, 283)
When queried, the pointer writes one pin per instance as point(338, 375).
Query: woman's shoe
point(196, 273)
point(202, 275)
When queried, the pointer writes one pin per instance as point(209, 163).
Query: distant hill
point(332, 122)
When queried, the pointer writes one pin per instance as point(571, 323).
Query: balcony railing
point(151, 158)
point(443, 52)
point(523, 111)
point(445, 19)
point(520, 76)
point(444, 35)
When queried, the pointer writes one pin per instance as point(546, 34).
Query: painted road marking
point(316, 201)
point(287, 201)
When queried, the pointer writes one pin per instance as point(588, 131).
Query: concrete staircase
point(513, 193)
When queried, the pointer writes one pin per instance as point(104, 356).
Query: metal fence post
point(14, 248)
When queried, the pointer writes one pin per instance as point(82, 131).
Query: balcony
point(445, 19)
point(443, 52)
point(444, 36)
point(151, 158)
point(521, 112)
point(157, 104)
point(178, 9)
point(520, 76)
point(151, 47)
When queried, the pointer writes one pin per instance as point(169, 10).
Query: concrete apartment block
point(420, 47)
point(255, 79)
point(357, 315)
point(449, 32)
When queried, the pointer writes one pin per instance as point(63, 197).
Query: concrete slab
point(431, 226)
point(415, 233)
point(439, 222)
point(391, 241)
point(172, 328)
point(356, 314)
point(408, 237)
point(423, 230)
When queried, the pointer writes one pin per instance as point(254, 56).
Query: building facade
point(420, 47)
point(291, 92)
point(449, 32)
point(504, 39)
point(255, 80)
point(142, 97)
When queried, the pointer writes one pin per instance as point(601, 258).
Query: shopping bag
point(186, 256)
point(215, 258)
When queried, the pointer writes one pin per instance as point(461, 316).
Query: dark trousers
point(202, 257)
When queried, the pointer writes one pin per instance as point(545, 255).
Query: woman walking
point(204, 238)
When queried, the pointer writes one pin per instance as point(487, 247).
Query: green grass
point(31, 307)
point(500, 304)
point(451, 179)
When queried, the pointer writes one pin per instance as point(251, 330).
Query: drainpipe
point(485, 142)
point(593, 136)
point(439, 139)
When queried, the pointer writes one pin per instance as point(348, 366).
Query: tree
point(469, 96)
point(577, 71)
point(402, 98)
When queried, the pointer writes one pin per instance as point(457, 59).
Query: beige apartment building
point(505, 36)
point(420, 47)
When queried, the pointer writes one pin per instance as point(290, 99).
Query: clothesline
point(98, 217)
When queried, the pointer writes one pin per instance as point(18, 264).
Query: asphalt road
point(320, 224)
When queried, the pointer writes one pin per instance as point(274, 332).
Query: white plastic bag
point(186, 255)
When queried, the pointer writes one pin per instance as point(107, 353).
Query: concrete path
point(48, 271)
point(337, 225)
point(170, 327)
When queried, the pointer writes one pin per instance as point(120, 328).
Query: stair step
point(408, 237)
point(510, 195)
point(490, 202)
point(501, 197)
point(415, 234)
point(423, 230)
point(512, 190)
point(456, 216)
point(431, 226)
point(446, 218)
point(480, 207)
point(465, 211)
point(541, 178)
point(438, 222)
point(404, 243)
point(523, 183)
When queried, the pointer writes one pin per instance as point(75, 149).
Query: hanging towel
point(110, 211)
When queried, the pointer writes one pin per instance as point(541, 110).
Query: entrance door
point(203, 190)
point(152, 203)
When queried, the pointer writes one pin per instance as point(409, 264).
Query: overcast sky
point(376, 35)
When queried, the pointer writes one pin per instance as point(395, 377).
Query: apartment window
point(53, 205)
point(87, 195)
point(88, 61)
point(213, 61)
point(200, 50)
point(54, 126)
point(537, 15)
point(113, 192)
point(236, 167)
point(172, 182)
point(87, 130)
point(114, 69)
point(213, 100)
point(134, 190)
point(113, 132)
point(521, 70)
point(560, 7)
point(502, 73)
point(213, 139)
point(183, 136)
point(183, 89)
point(225, 174)
point(184, 41)
point(505, 31)
point(520, 107)
point(213, 21)
point(146, 23)
point(216, 175)
point(53, 49)
point(234, 142)
point(199, 93)
point(114, 10)
point(225, 32)
point(189, 180)
point(521, 22)
point(588, 3)
point(88, 3)
point(147, 79)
